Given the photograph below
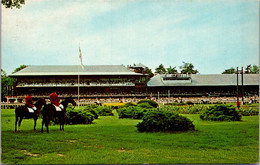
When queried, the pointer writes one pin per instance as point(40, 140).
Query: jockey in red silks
point(29, 101)
point(54, 98)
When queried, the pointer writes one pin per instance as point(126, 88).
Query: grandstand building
point(94, 81)
point(117, 81)
point(204, 85)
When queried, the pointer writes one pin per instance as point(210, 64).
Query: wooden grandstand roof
point(59, 70)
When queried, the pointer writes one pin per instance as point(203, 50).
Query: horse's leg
point(63, 122)
point(19, 124)
point(42, 124)
point(35, 122)
point(16, 120)
point(60, 123)
point(47, 125)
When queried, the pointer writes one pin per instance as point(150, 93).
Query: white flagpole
point(80, 57)
point(78, 87)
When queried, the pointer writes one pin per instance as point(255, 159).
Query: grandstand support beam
point(159, 98)
point(168, 96)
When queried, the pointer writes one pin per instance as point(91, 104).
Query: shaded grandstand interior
point(187, 91)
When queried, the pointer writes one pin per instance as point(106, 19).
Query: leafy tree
point(13, 3)
point(229, 71)
point(188, 68)
point(3, 73)
point(160, 69)
point(171, 70)
point(6, 82)
point(248, 68)
point(19, 68)
point(149, 72)
point(254, 69)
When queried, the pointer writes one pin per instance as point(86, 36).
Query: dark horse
point(49, 113)
point(22, 112)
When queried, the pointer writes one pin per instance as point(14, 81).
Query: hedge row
point(186, 109)
point(199, 109)
point(249, 111)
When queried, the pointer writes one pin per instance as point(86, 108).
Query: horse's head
point(41, 101)
point(71, 100)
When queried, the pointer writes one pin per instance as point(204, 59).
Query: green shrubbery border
point(221, 113)
point(134, 111)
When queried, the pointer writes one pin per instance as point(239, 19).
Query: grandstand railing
point(91, 84)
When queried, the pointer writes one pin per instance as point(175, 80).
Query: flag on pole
point(80, 57)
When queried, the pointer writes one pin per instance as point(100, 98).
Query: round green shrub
point(145, 105)
point(166, 121)
point(126, 112)
point(141, 109)
point(129, 104)
point(189, 103)
point(91, 110)
point(134, 112)
point(151, 102)
point(104, 111)
point(78, 116)
point(221, 113)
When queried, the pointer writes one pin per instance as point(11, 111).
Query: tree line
point(249, 69)
point(188, 68)
point(13, 3)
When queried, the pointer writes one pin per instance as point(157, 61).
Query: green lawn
point(116, 141)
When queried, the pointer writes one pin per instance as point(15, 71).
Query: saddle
point(31, 110)
point(58, 108)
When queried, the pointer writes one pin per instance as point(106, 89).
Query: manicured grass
point(116, 141)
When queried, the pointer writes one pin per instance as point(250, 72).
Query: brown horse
point(49, 113)
point(22, 112)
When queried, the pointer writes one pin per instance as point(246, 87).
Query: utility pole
point(242, 79)
point(242, 87)
point(238, 104)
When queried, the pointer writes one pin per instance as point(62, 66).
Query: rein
point(37, 103)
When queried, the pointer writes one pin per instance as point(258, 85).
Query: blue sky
point(214, 35)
